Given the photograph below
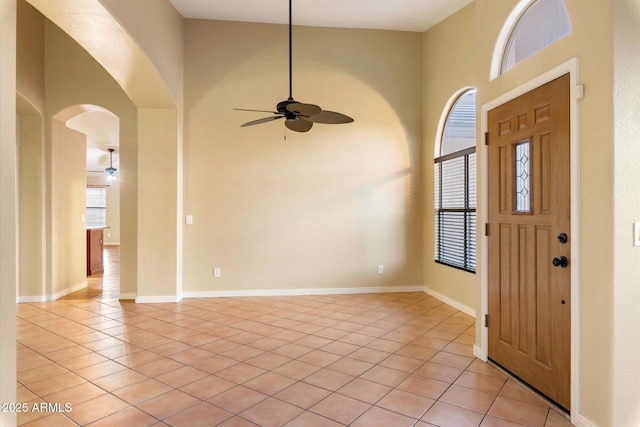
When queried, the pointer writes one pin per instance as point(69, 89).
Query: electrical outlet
point(380, 269)
point(636, 234)
point(216, 272)
point(188, 219)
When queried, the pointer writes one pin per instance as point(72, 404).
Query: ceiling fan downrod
point(299, 117)
point(290, 53)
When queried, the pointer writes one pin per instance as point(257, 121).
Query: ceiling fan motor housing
point(299, 116)
point(282, 108)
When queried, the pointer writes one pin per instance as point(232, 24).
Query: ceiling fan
point(299, 117)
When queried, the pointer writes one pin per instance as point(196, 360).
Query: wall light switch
point(188, 219)
point(636, 234)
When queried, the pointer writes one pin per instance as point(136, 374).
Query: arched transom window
point(540, 24)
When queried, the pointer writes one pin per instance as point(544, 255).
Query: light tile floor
point(391, 360)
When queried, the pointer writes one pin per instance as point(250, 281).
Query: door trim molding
point(481, 349)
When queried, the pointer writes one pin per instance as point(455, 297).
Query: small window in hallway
point(96, 207)
point(455, 187)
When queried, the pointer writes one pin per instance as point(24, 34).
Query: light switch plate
point(636, 234)
point(189, 219)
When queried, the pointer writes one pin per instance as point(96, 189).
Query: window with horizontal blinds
point(455, 210)
point(455, 187)
point(96, 207)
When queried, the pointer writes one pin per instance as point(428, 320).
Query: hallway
point(397, 359)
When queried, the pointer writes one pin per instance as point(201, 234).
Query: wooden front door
point(529, 238)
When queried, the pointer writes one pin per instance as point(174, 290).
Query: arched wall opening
point(66, 179)
point(77, 74)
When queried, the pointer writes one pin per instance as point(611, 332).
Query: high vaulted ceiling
point(403, 15)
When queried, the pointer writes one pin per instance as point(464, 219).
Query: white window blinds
point(96, 207)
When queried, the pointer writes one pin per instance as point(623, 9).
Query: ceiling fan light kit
point(299, 117)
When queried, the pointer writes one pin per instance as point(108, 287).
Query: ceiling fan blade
point(298, 125)
point(257, 111)
point(263, 120)
point(304, 109)
point(330, 117)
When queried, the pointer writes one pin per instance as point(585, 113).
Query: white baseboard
point(479, 353)
point(581, 421)
point(67, 291)
point(57, 295)
point(235, 293)
point(299, 292)
point(453, 303)
point(157, 299)
point(31, 298)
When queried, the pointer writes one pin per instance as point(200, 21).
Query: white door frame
point(481, 349)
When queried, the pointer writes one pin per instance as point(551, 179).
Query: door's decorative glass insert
point(523, 177)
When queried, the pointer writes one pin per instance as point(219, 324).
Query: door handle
point(560, 262)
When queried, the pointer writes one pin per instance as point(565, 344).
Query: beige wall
point(68, 183)
point(157, 205)
point(30, 55)
point(625, 379)
point(112, 235)
point(317, 210)
point(31, 204)
point(90, 24)
point(30, 97)
point(8, 208)
point(160, 38)
point(444, 78)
